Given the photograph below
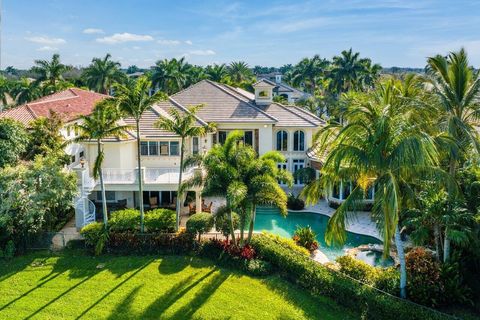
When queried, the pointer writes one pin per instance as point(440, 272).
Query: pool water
point(374, 258)
point(269, 219)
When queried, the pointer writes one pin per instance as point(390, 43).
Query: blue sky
point(261, 32)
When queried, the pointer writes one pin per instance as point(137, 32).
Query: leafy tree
point(239, 72)
point(132, 69)
point(51, 71)
point(381, 146)
point(170, 76)
point(308, 72)
point(13, 142)
point(101, 124)
point(101, 74)
point(133, 99)
point(457, 88)
point(46, 138)
point(183, 124)
point(216, 72)
point(25, 90)
point(5, 87)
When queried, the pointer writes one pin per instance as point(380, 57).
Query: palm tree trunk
point(252, 223)
point(179, 188)
point(403, 267)
point(139, 174)
point(232, 230)
point(446, 241)
point(436, 233)
point(102, 187)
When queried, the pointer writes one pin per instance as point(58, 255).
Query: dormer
point(263, 91)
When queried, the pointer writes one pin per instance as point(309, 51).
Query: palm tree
point(346, 71)
point(183, 124)
point(170, 76)
point(216, 72)
point(50, 71)
point(134, 99)
point(101, 74)
point(370, 73)
point(380, 147)
point(25, 90)
point(239, 72)
point(457, 88)
point(5, 87)
point(101, 124)
point(308, 72)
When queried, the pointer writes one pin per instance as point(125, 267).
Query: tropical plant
point(306, 237)
point(124, 220)
point(5, 89)
point(216, 72)
point(457, 88)
point(238, 72)
point(170, 76)
point(134, 99)
point(222, 222)
point(102, 73)
point(96, 236)
point(308, 73)
point(160, 220)
point(26, 90)
point(100, 125)
point(51, 71)
point(200, 223)
point(46, 137)
point(13, 141)
point(381, 146)
point(183, 124)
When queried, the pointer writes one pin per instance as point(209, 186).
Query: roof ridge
point(190, 86)
point(53, 100)
point(308, 112)
point(287, 108)
point(186, 110)
point(30, 110)
point(236, 97)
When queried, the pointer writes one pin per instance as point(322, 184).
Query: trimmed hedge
point(371, 303)
point(130, 242)
point(124, 220)
point(200, 223)
point(160, 220)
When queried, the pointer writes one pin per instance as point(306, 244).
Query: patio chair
point(209, 208)
point(191, 209)
point(153, 202)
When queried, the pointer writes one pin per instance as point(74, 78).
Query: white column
point(198, 201)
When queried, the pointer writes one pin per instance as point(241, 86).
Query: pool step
point(267, 210)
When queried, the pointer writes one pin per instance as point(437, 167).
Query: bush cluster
point(160, 220)
point(318, 279)
point(306, 237)
point(124, 220)
point(96, 236)
point(200, 223)
point(385, 279)
point(294, 202)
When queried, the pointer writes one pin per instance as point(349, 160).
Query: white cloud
point(46, 40)
point(93, 31)
point(169, 42)
point(47, 48)
point(189, 42)
point(202, 53)
point(136, 48)
point(124, 37)
point(302, 24)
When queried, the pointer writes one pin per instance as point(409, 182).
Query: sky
point(261, 32)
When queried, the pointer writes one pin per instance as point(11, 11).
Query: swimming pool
point(269, 219)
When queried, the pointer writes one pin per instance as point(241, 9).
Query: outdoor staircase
point(84, 207)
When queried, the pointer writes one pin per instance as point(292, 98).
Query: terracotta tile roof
point(70, 104)
point(221, 104)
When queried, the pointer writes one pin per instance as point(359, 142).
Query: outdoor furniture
point(153, 202)
point(207, 209)
point(191, 209)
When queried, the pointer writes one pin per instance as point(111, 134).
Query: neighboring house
point(267, 126)
point(281, 89)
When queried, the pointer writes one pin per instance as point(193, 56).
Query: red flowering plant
point(306, 237)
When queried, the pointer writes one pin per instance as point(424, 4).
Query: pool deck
point(362, 224)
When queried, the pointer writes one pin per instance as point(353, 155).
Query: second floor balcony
point(150, 175)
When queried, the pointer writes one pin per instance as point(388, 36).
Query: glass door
point(298, 164)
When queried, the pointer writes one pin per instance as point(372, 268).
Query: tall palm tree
point(457, 88)
point(5, 87)
point(102, 73)
point(308, 72)
point(183, 124)
point(170, 76)
point(216, 72)
point(25, 90)
point(101, 124)
point(133, 99)
point(383, 147)
point(346, 71)
point(239, 72)
point(50, 71)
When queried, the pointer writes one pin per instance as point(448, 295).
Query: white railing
point(113, 176)
point(150, 175)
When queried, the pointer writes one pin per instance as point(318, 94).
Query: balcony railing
point(150, 175)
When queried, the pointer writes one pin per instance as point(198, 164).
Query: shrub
point(286, 243)
point(124, 220)
point(294, 202)
point(9, 250)
point(319, 280)
point(306, 237)
point(257, 267)
point(162, 220)
point(96, 236)
point(200, 223)
point(424, 282)
point(222, 222)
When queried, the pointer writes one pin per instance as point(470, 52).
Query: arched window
point(298, 141)
point(282, 141)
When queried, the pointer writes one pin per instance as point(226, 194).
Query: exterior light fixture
point(82, 162)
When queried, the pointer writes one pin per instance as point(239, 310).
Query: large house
point(267, 126)
point(282, 89)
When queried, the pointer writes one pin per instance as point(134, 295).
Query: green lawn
point(73, 285)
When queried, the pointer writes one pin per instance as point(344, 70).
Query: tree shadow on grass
point(124, 309)
point(173, 264)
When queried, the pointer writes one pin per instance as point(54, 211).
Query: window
point(282, 166)
point(248, 138)
point(152, 148)
point(298, 141)
point(72, 159)
point(82, 154)
point(263, 94)
point(222, 136)
point(68, 131)
point(174, 148)
point(109, 195)
point(282, 141)
point(164, 148)
point(144, 148)
point(195, 145)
